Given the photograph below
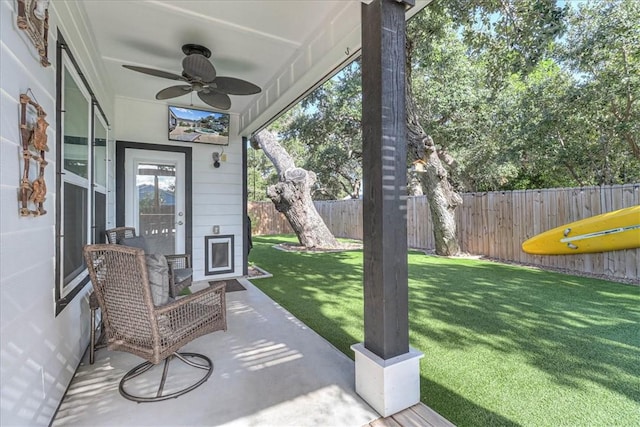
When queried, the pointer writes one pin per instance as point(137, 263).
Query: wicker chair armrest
point(179, 261)
point(208, 296)
point(192, 316)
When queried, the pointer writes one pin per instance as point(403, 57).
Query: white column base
point(391, 385)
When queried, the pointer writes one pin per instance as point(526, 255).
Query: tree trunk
point(443, 200)
point(292, 195)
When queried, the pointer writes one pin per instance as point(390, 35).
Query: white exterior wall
point(39, 351)
point(216, 192)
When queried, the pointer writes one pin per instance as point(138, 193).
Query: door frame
point(121, 147)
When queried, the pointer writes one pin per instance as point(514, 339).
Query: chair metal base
point(145, 366)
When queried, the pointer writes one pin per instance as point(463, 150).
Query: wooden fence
point(493, 224)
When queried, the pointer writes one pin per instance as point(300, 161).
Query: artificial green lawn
point(503, 345)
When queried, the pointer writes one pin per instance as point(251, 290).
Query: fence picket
point(492, 224)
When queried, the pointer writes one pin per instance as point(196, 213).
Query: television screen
point(193, 125)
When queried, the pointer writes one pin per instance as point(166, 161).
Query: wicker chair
point(97, 341)
point(134, 324)
point(180, 273)
point(180, 277)
point(114, 235)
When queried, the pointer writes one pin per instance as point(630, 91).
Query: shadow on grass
point(575, 330)
point(571, 328)
point(459, 409)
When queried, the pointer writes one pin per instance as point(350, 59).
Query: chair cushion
point(135, 242)
point(182, 274)
point(158, 272)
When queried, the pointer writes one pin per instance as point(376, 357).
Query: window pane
point(156, 197)
point(99, 153)
point(76, 128)
point(99, 217)
point(75, 230)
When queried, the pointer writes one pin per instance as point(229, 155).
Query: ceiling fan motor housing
point(191, 48)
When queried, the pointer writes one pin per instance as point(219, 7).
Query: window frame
point(65, 293)
point(96, 187)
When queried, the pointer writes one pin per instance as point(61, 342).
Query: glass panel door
point(154, 202)
point(156, 186)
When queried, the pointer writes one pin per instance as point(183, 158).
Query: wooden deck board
point(431, 416)
point(385, 422)
point(418, 415)
point(409, 418)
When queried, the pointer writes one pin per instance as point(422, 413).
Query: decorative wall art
point(33, 131)
point(33, 17)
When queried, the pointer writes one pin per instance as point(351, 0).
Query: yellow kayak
point(611, 231)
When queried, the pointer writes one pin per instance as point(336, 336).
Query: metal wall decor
point(33, 131)
point(33, 17)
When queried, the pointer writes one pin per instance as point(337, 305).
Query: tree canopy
point(516, 94)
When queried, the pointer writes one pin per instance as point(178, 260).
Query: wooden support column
point(387, 369)
point(246, 228)
point(385, 178)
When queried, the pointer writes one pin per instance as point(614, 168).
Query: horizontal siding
point(212, 207)
point(29, 331)
point(216, 192)
point(39, 350)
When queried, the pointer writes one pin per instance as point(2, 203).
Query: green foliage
point(260, 174)
point(519, 93)
point(511, 36)
point(538, 136)
point(602, 49)
point(327, 126)
point(501, 91)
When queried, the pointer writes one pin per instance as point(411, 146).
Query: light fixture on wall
point(218, 157)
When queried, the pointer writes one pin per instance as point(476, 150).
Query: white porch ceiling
point(283, 46)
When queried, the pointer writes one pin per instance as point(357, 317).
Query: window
point(81, 183)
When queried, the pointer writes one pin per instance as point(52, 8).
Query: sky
point(573, 3)
point(191, 113)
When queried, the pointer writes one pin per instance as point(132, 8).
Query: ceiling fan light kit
point(201, 77)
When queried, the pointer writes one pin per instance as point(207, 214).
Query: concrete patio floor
point(270, 370)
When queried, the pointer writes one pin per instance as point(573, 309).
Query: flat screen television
point(189, 124)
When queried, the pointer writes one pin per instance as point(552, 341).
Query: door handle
point(179, 223)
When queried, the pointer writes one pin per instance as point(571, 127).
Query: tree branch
point(275, 152)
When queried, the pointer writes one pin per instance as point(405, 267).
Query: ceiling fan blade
point(174, 91)
point(199, 67)
point(216, 100)
point(153, 72)
point(235, 86)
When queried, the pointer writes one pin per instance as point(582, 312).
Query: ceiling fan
point(201, 77)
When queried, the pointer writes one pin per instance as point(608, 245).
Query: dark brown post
point(246, 227)
point(385, 178)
